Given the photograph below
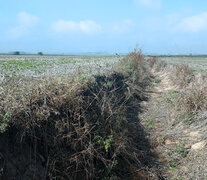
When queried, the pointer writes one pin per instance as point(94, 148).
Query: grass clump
point(182, 75)
point(193, 99)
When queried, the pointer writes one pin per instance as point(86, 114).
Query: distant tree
point(40, 53)
point(117, 54)
point(16, 53)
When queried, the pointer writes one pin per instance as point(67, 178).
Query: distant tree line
point(40, 53)
point(16, 53)
point(20, 53)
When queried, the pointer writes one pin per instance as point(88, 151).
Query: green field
point(37, 66)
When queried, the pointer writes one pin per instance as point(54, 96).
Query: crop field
point(37, 66)
point(199, 63)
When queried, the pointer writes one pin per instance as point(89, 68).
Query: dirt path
point(179, 148)
point(164, 84)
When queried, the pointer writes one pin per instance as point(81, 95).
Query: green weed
point(172, 96)
point(181, 150)
point(109, 84)
point(188, 118)
point(108, 170)
point(150, 123)
point(106, 144)
point(4, 122)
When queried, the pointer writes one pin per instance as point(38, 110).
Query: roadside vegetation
point(190, 87)
point(90, 122)
point(75, 127)
point(176, 119)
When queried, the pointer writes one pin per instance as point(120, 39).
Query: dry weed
point(79, 128)
point(182, 75)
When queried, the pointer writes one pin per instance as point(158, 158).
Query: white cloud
point(26, 22)
point(90, 27)
point(153, 4)
point(193, 24)
point(87, 27)
point(122, 27)
point(172, 19)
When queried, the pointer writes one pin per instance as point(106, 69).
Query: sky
point(107, 26)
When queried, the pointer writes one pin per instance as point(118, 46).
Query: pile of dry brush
point(61, 128)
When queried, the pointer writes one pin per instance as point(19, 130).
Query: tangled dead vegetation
point(64, 128)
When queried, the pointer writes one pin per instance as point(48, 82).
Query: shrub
point(182, 75)
point(40, 53)
point(194, 98)
point(135, 68)
point(16, 53)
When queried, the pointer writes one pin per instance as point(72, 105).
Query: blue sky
point(66, 26)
